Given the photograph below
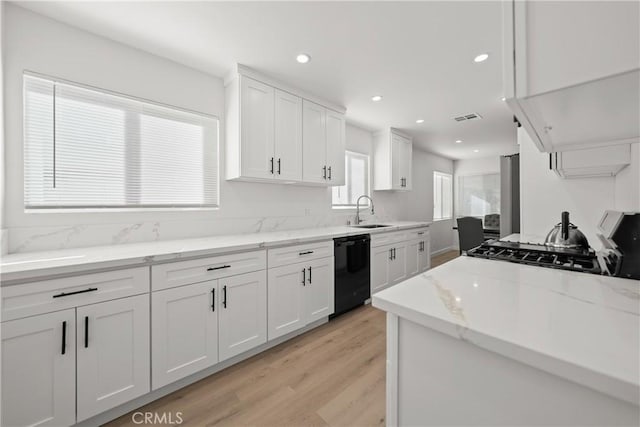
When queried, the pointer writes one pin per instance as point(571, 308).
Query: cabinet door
point(398, 265)
point(319, 298)
point(380, 260)
point(113, 354)
point(413, 253)
point(286, 309)
point(424, 256)
point(406, 162)
point(288, 136)
point(242, 313)
point(335, 148)
point(185, 331)
point(256, 128)
point(314, 120)
point(39, 370)
point(397, 148)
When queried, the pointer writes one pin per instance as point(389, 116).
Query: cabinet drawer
point(174, 274)
point(299, 253)
point(418, 233)
point(387, 238)
point(58, 294)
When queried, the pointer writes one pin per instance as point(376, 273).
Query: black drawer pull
point(305, 253)
point(66, 294)
point(86, 331)
point(64, 337)
point(224, 296)
point(213, 299)
point(309, 274)
point(218, 268)
point(304, 277)
point(421, 233)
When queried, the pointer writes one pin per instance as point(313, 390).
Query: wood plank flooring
point(333, 375)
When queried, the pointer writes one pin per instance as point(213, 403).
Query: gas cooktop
point(539, 255)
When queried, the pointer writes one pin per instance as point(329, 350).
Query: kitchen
point(128, 289)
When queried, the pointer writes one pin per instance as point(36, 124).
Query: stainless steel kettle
point(566, 235)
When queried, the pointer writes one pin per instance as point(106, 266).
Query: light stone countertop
point(19, 267)
point(579, 326)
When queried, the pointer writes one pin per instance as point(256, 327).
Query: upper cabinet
point(571, 72)
point(392, 161)
point(277, 134)
point(323, 145)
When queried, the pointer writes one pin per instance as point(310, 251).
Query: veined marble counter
point(578, 326)
point(32, 265)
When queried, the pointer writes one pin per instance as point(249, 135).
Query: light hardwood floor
point(333, 375)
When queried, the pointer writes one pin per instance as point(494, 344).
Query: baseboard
point(441, 251)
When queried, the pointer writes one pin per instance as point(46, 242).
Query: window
point(442, 196)
point(86, 148)
point(356, 182)
point(478, 195)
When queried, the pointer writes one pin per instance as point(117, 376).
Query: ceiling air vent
point(472, 116)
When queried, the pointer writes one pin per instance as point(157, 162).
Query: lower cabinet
point(300, 294)
point(45, 357)
point(39, 370)
point(380, 259)
point(418, 259)
point(113, 354)
point(185, 331)
point(398, 264)
point(242, 318)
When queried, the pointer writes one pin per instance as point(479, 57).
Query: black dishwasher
point(352, 272)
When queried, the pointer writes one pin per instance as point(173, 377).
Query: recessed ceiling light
point(420, 121)
point(458, 141)
point(503, 99)
point(376, 98)
point(481, 57)
point(476, 151)
point(303, 58)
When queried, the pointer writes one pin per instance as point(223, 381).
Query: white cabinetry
point(302, 292)
point(113, 354)
point(396, 256)
point(39, 370)
point(275, 133)
point(571, 73)
point(392, 161)
point(323, 144)
point(185, 331)
point(591, 162)
point(242, 319)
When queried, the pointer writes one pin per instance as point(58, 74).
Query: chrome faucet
point(358, 220)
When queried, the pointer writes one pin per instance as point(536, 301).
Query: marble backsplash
point(29, 239)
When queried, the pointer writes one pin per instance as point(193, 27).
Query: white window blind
point(478, 195)
point(356, 181)
point(442, 196)
point(86, 148)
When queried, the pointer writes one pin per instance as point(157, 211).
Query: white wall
point(4, 241)
point(544, 195)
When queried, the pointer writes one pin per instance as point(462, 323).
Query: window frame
point(353, 206)
point(154, 110)
point(450, 176)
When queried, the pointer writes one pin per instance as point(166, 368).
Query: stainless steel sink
point(371, 226)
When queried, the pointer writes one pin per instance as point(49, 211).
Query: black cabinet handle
point(304, 277)
point(394, 253)
point(305, 253)
point(224, 296)
point(421, 233)
point(66, 294)
point(329, 172)
point(391, 254)
point(213, 299)
point(271, 170)
point(86, 331)
point(279, 162)
point(324, 172)
point(64, 337)
point(218, 268)
point(309, 274)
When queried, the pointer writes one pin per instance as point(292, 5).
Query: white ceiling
point(417, 55)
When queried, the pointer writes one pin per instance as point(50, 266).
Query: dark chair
point(470, 233)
